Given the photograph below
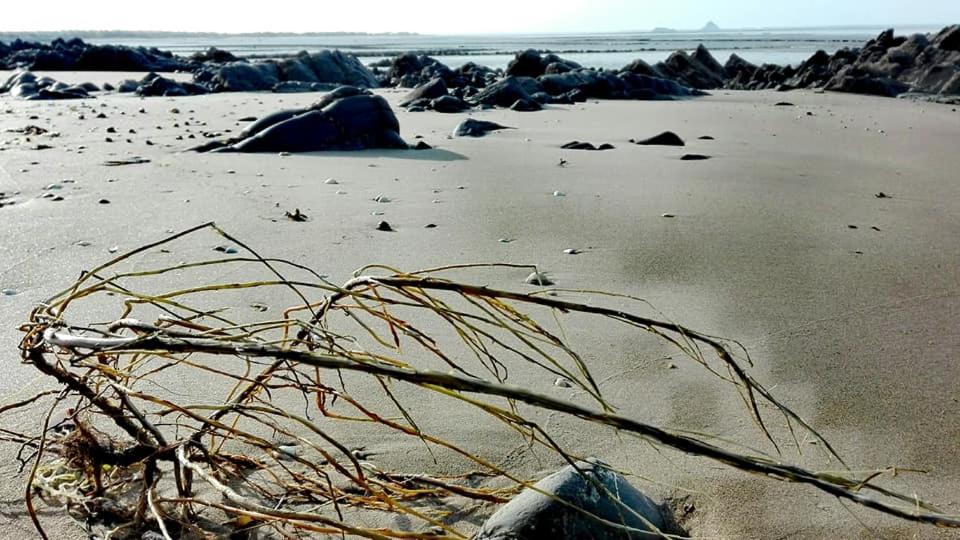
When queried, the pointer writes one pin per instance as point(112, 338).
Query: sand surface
point(855, 328)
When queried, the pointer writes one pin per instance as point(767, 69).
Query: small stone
point(693, 157)
point(559, 194)
point(572, 251)
point(538, 278)
point(505, 240)
point(852, 227)
point(668, 215)
point(563, 383)
point(384, 226)
point(882, 195)
point(104, 201)
point(330, 182)
point(114, 249)
point(9, 292)
point(430, 226)
point(383, 199)
point(341, 192)
point(284, 154)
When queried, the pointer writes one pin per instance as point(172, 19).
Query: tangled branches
point(188, 419)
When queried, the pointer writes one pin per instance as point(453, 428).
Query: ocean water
point(608, 50)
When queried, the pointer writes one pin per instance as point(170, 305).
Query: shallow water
point(611, 50)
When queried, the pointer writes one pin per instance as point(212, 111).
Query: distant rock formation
point(77, 55)
point(887, 65)
point(332, 67)
point(710, 27)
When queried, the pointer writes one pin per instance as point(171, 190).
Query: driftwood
point(130, 455)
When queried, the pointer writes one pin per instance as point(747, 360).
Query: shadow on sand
point(435, 154)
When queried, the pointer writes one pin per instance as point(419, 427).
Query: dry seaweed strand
point(272, 468)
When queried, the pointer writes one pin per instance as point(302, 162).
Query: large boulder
point(326, 67)
point(430, 90)
point(530, 63)
point(411, 70)
point(593, 502)
point(348, 118)
point(503, 93)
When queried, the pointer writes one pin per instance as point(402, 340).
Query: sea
point(599, 50)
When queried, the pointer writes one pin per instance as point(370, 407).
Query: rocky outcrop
point(348, 118)
point(77, 55)
point(531, 63)
point(887, 65)
point(326, 67)
point(27, 85)
point(411, 70)
point(589, 501)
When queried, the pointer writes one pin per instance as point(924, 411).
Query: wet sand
point(855, 328)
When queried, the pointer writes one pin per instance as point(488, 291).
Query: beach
point(846, 301)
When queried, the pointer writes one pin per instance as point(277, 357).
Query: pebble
point(382, 199)
point(104, 201)
point(284, 154)
point(572, 251)
point(384, 226)
point(538, 278)
point(225, 249)
point(559, 194)
point(430, 226)
point(563, 383)
point(9, 292)
point(505, 240)
point(114, 249)
point(341, 192)
point(330, 182)
point(668, 215)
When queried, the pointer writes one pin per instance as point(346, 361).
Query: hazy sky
point(460, 16)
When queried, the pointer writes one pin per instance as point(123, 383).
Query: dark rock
point(384, 226)
point(346, 119)
point(161, 86)
point(577, 145)
point(503, 93)
point(449, 104)
point(213, 55)
point(433, 89)
point(295, 87)
point(526, 105)
point(694, 157)
point(667, 138)
point(476, 128)
point(551, 511)
point(530, 63)
point(422, 146)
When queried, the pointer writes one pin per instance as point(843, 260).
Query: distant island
point(709, 27)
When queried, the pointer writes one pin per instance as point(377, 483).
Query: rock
point(538, 278)
point(530, 63)
point(161, 86)
point(384, 226)
point(667, 138)
point(324, 67)
point(595, 489)
point(422, 146)
point(503, 93)
point(476, 128)
point(411, 70)
point(294, 87)
point(346, 119)
point(449, 104)
point(577, 145)
point(430, 90)
point(694, 157)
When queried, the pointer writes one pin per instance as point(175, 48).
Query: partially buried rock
point(667, 138)
point(538, 278)
point(476, 128)
point(346, 119)
point(693, 157)
point(384, 226)
point(592, 502)
point(577, 145)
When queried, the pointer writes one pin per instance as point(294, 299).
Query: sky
point(463, 16)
